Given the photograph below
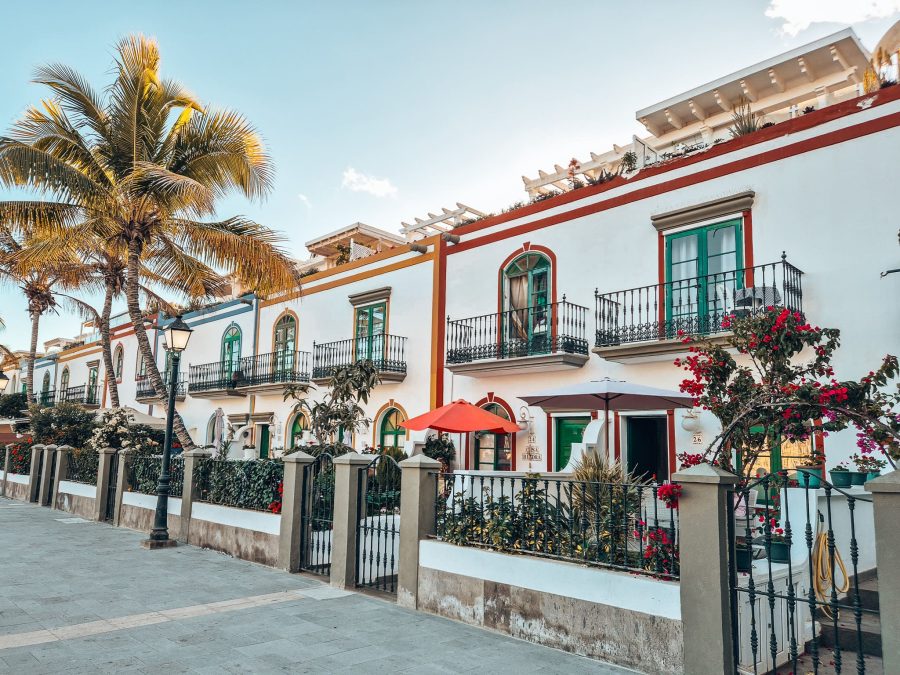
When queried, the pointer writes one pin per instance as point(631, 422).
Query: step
point(846, 637)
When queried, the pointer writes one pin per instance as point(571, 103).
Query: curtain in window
point(518, 306)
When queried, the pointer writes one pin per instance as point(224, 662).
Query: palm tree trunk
point(29, 380)
point(107, 347)
point(132, 286)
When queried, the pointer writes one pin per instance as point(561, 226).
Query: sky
point(382, 111)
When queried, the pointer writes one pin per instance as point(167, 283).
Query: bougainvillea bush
point(782, 381)
point(19, 457)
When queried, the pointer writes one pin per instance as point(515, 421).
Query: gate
point(51, 480)
point(803, 592)
point(109, 509)
point(317, 515)
point(378, 533)
point(35, 495)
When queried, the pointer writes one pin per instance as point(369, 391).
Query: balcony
point(540, 338)
point(387, 352)
point(45, 398)
point(86, 395)
point(147, 394)
point(643, 324)
point(272, 372)
point(215, 380)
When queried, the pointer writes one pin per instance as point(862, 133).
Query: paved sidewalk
point(82, 597)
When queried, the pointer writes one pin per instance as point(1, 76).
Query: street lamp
point(4, 381)
point(177, 335)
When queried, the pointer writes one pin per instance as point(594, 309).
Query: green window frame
point(391, 434)
point(92, 395)
point(298, 426)
point(525, 324)
point(706, 290)
point(285, 343)
point(369, 329)
point(493, 452)
point(64, 379)
point(45, 383)
point(231, 349)
point(119, 362)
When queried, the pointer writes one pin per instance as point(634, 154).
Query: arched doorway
point(285, 344)
point(526, 303)
point(390, 433)
point(298, 426)
point(493, 452)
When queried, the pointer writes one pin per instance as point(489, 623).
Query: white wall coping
point(143, 501)
point(604, 587)
point(259, 521)
point(78, 489)
point(20, 478)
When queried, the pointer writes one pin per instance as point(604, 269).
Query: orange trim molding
point(377, 419)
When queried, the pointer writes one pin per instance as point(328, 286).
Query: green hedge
point(19, 458)
point(144, 473)
point(251, 484)
point(83, 466)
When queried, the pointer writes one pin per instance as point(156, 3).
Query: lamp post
point(177, 335)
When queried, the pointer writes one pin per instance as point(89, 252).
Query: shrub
point(144, 473)
point(64, 424)
point(83, 464)
point(12, 405)
point(251, 484)
point(440, 448)
point(19, 457)
point(115, 430)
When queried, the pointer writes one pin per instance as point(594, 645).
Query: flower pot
point(743, 559)
point(872, 474)
point(809, 476)
point(780, 552)
point(841, 479)
point(250, 453)
point(858, 477)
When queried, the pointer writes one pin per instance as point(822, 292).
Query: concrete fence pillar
point(886, 505)
point(293, 501)
point(43, 497)
point(418, 488)
point(5, 470)
point(703, 550)
point(34, 480)
point(126, 456)
point(62, 472)
point(344, 555)
point(102, 495)
point(190, 490)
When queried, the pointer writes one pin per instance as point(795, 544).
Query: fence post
point(293, 489)
point(125, 458)
point(418, 488)
point(44, 491)
point(886, 505)
point(62, 472)
point(703, 550)
point(102, 494)
point(344, 554)
point(37, 452)
point(5, 469)
point(189, 490)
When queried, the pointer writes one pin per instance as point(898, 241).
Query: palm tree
point(142, 167)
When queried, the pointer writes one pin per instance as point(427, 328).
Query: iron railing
point(317, 515)
point(622, 526)
point(73, 394)
point(695, 306)
point(46, 398)
point(387, 353)
point(146, 390)
point(378, 533)
point(82, 466)
point(220, 375)
point(276, 368)
point(144, 471)
point(543, 329)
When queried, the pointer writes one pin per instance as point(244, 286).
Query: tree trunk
point(111, 380)
point(132, 286)
point(29, 379)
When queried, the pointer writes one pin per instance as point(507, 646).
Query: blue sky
point(382, 111)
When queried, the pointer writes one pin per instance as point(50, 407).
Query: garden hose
point(823, 573)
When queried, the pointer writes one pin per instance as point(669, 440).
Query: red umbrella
point(461, 417)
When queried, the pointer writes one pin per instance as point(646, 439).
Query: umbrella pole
point(606, 425)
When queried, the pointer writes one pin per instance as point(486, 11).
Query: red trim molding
point(490, 398)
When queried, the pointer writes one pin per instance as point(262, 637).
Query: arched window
point(141, 366)
point(231, 348)
point(285, 343)
point(45, 384)
point(298, 426)
point(493, 452)
point(119, 362)
point(526, 304)
point(64, 380)
point(391, 434)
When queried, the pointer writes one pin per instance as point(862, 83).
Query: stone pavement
point(83, 597)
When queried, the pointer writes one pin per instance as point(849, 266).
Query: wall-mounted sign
point(697, 439)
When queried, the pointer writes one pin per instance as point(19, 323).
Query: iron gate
point(378, 534)
point(317, 515)
point(35, 495)
point(796, 605)
point(109, 509)
point(51, 480)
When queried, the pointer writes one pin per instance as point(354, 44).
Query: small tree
point(777, 390)
point(12, 405)
point(65, 423)
point(341, 408)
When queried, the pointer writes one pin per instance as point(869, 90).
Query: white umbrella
point(137, 417)
point(218, 428)
point(606, 395)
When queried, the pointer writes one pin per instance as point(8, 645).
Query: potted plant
point(250, 452)
point(868, 465)
point(809, 471)
point(442, 449)
point(778, 550)
point(743, 555)
point(841, 476)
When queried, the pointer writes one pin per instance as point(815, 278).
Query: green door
point(285, 345)
point(92, 395)
point(263, 441)
point(231, 350)
point(567, 430)
point(704, 267)
point(493, 452)
point(526, 320)
point(370, 321)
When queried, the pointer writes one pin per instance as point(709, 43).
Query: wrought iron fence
point(317, 515)
point(251, 484)
point(220, 375)
point(144, 471)
point(623, 526)
point(795, 604)
point(146, 390)
point(378, 534)
point(695, 306)
point(543, 329)
point(82, 466)
point(284, 367)
point(387, 353)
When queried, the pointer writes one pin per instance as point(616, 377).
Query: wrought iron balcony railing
point(560, 327)
point(218, 376)
point(275, 368)
point(45, 398)
point(387, 352)
point(145, 389)
point(83, 394)
point(696, 306)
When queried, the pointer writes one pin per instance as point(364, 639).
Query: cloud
point(798, 15)
point(303, 198)
point(360, 182)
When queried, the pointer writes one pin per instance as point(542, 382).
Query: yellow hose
point(823, 573)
